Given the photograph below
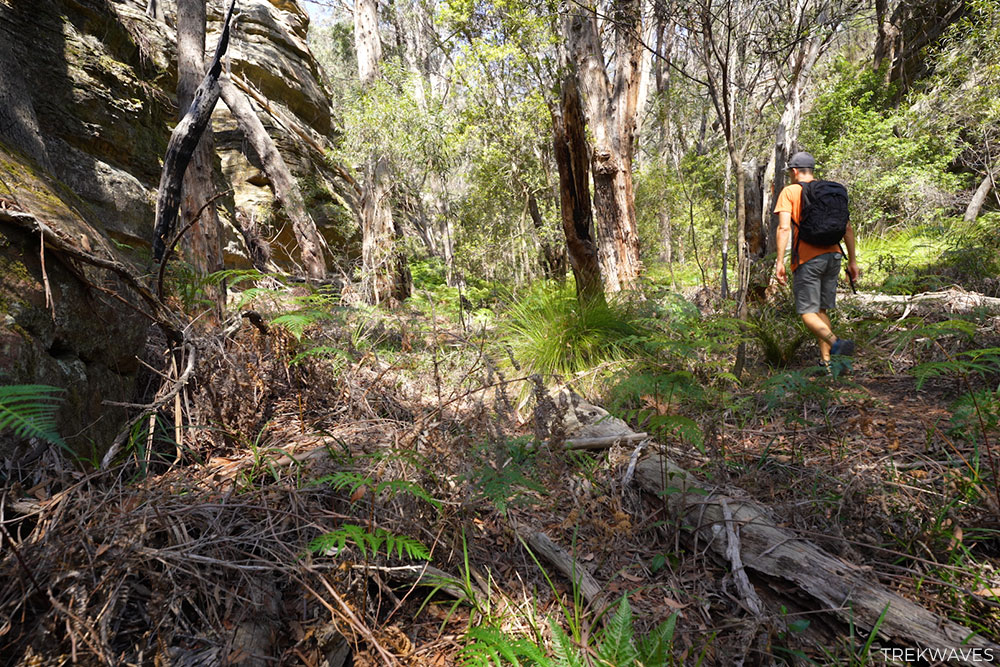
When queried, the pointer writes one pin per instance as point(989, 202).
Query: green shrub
point(552, 333)
point(896, 173)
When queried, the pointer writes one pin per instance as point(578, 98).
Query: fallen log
point(570, 567)
point(952, 301)
point(775, 554)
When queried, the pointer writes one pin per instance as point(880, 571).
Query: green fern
point(982, 362)
point(320, 351)
point(657, 646)
point(345, 479)
point(617, 646)
point(29, 410)
point(567, 653)
point(298, 321)
point(491, 647)
point(379, 541)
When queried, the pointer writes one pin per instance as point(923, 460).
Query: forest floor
point(322, 478)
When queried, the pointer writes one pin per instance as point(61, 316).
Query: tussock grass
point(551, 333)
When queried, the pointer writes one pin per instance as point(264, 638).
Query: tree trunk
point(756, 234)
point(978, 199)
point(286, 190)
point(727, 189)
point(202, 242)
point(610, 110)
point(384, 272)
point(742, 254)
point(367, 43)
point(666, 236)
point(570, 149)
point(553, 257)
point(787, 134)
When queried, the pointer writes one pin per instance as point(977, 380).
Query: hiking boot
point(824, 368)
point(843, 346)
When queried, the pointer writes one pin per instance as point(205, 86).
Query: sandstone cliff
point(86, 106)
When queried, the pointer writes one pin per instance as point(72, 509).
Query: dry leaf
point(673, 604)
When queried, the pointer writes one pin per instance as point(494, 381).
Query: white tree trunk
point(382, 267)
point(787, 133)
point(367, 43)
point(979, 199)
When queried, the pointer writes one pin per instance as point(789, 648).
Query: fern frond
point(343, 479)
point(617, 646)
point(375, 542)
point(656, 647)
point(566, 652)
point(297, 322)
point(395, 486)
point(320, 351)
point(29, 410)
point(491, 646)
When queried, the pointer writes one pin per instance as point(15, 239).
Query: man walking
point(815, 267)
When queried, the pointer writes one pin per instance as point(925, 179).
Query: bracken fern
point(375, 542)
point(29, 410)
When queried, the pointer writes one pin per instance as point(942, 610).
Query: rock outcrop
point(86, 106)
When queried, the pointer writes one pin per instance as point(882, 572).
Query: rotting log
point(570, 567)
point(778, 555)
point(286, 191)
point(842, 588)
point(183, 141)
point(950, 301)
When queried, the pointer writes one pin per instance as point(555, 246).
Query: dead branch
point(183, 142)
point(603, 442)
point(777, 554)
point(160, 314)
point(570, 567)
point(950, 301)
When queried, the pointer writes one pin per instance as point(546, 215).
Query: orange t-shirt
point(790, 201)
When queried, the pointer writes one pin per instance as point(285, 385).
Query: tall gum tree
point(610, 103)
point(385, 277)
point(202, 243)
point(815, 27)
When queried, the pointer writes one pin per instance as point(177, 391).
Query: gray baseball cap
point(801, 160)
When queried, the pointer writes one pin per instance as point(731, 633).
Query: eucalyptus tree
point(799, 44)
point(202, 243)
point(385, 276)
point(609, 89)
point(733, 41)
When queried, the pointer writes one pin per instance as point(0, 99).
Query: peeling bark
point(570, 149)
point(610, 109)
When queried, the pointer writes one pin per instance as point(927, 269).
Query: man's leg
point(819, 325)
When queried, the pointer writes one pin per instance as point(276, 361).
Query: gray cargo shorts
point(815, 283)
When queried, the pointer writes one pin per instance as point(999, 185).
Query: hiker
point(815, 265)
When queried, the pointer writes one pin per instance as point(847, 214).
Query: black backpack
point(824, 215)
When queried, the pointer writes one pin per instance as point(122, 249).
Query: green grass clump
point(551, 333)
